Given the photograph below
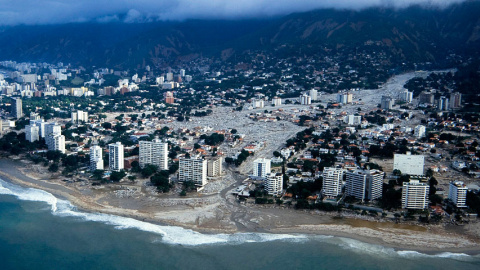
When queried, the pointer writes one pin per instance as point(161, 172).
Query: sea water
point(40, 231)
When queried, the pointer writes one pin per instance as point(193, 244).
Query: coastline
point(397, 238)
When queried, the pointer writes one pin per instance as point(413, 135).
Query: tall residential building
point(54, 138)
point(154, 153)
point(96, 159)
point(443, 104)
point(56, 143)
point(214, 166)
point(41, 126)
point(415, 195)
point(313, 94)
point(406, 96)
point(115, 156)
point(420, 131)
point(169, 99)
point(387, 103)
point(457, 192)
point(192, 169)
point(305, 100)
point(276, 101)
point(426, 98)
point(408, 163)
point(345, 98)
point(32, 133)
point(274, 184)
point(261, 167)
point(455, 100)
point(364, 184)
point(17, 111)
point(160, 80)
point(352, 120)
point(169, 76)
point(79, 116)
point(332, 181)
point(258, 103)
point(34, 116)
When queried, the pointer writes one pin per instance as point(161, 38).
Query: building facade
point(17, 110)
point(305, 100)
point(409, 164)
point(332, 181)
point(415, 195)
point(32, 133)
point(115, 156)
point(214, 167)
point(192, 169)
point(364, 184)
point(457, 192)
point(261, 167)
point(153, 152)
point(274, 184)
point(96, 158)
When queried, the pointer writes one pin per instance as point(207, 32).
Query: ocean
point(40, 231)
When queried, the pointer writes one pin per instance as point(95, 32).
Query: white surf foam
point(170, 234)
point(378, 250)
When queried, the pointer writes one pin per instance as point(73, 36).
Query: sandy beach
point(220, 213)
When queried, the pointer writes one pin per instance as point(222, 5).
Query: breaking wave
point(179, 236)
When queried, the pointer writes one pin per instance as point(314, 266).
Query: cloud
point(13, 12)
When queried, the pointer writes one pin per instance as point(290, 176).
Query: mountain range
point(412, 34)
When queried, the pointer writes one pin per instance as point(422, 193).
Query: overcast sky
point(13, 12)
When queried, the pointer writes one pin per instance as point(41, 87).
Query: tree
point(161, 181)
point(53, 167)
point(148, 170)
point(233, 131)
point(54, 155)
point(276, 154)
point(97, 174)
point(117, 176)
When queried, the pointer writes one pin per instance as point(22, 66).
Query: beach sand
point(216, 214)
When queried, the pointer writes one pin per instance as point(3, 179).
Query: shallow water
point(39, 231)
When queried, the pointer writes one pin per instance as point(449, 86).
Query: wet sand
point(212, 214)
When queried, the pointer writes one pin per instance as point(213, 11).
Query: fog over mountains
point(416, 33)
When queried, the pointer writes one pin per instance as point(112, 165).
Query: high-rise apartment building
point(313, 93)
point(192, 169)
point(409, 164)
point(406, 96)
point(79, 116)
point(32, 133)
point(443, 104)
point(169, 99)
point(415, 195)
point(332, 181)
point(261, 167)
point(276, 101)
point(364, 184)
point(305, 100)
point(420, 131)
point(115, 156)
point(153, 152)
point(457, 192)
point(455, 100)
point(54, 138)
point(274, 184)
point(214, 166)
point(96, 159)
point(17, 111)
point(387, 103)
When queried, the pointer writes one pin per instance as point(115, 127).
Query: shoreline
point(399, 239)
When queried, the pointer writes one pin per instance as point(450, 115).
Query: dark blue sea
point(40, 231)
